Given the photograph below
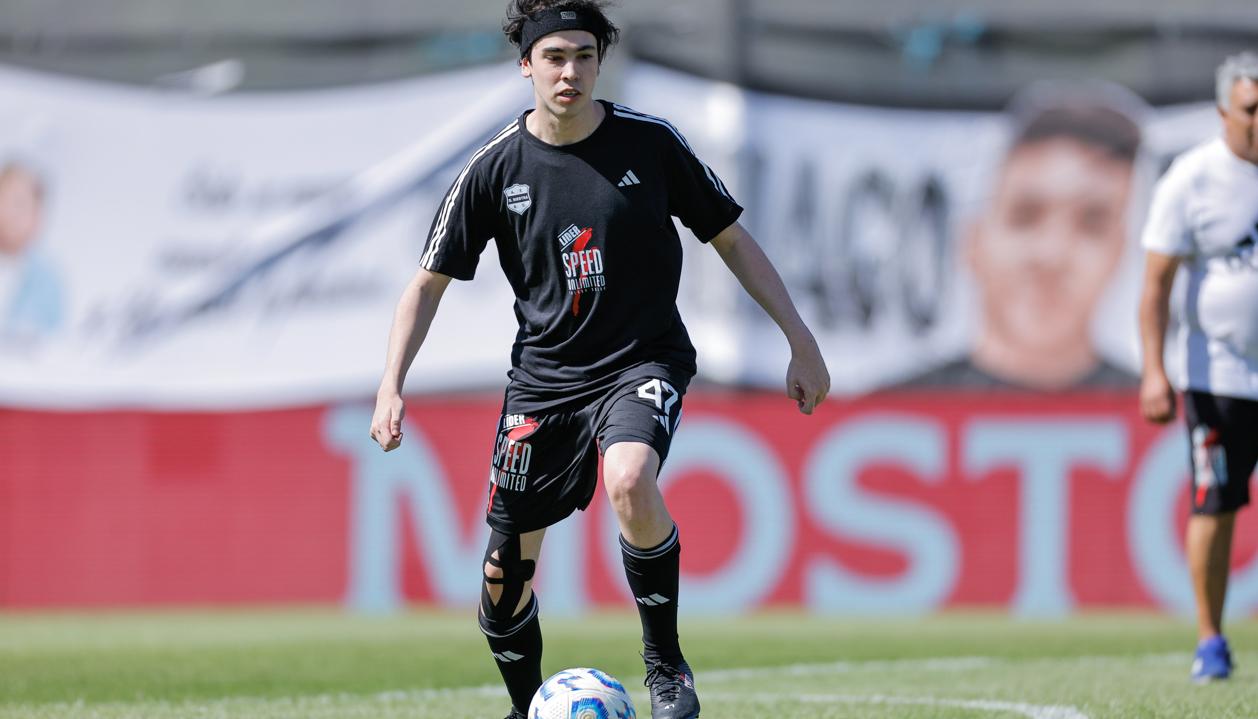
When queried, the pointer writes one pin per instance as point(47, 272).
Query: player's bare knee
point(628, 488)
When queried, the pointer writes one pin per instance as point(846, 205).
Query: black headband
point(552, 20)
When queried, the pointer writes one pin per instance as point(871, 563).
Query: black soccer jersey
point(585, 237)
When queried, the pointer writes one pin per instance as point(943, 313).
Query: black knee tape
point(515, 572)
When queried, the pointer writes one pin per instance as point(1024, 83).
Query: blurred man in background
point(1047, 247)
point(578, 195)
point(1204, 217)
point(30, 291)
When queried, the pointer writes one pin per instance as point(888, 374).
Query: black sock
point(517, 650)
point(653, 576)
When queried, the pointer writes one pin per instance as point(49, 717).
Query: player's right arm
point(462, 225)
point(1167, 240)
point(1157, 397)
point(411, 320)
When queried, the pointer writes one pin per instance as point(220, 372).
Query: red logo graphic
point(522, 431)
point(582, 240)
point(1206, 441)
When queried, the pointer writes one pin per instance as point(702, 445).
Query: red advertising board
point(892, 503)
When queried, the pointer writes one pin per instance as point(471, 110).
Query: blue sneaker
point(1213, 660)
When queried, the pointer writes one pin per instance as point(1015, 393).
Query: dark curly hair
point(605, 34)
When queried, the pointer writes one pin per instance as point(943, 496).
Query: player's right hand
point(1157, 398)
point(807, 379)
point(386, 422)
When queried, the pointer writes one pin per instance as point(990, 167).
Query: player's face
point(1240, 119)
point(19, 211)
point(1045, 252)
point(564, 69)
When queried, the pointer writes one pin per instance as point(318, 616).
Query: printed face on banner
point(32, 298)
point(21, 208)
point(1048, 246)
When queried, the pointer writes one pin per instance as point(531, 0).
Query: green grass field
point(313, 664)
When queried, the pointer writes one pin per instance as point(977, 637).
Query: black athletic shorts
point(1223, 449)
point(545, 465)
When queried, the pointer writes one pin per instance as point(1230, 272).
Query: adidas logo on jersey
point(629, 179)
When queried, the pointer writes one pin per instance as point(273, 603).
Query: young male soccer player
point(1205, 217)
point(579, 196)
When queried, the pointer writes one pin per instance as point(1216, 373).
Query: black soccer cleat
point(516, 714)
point(672, 690)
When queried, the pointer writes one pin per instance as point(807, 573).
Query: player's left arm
point(807, 379)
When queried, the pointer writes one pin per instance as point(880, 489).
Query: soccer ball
point(581, 694)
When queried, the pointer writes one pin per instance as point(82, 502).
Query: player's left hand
point(807, 379)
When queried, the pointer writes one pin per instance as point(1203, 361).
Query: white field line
point(734, 675)
point(953, 664)
point(1031, 711)
point(721, 676)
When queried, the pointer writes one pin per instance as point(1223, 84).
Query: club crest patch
point(518, 199)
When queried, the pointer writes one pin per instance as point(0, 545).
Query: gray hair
point(1241, 66)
